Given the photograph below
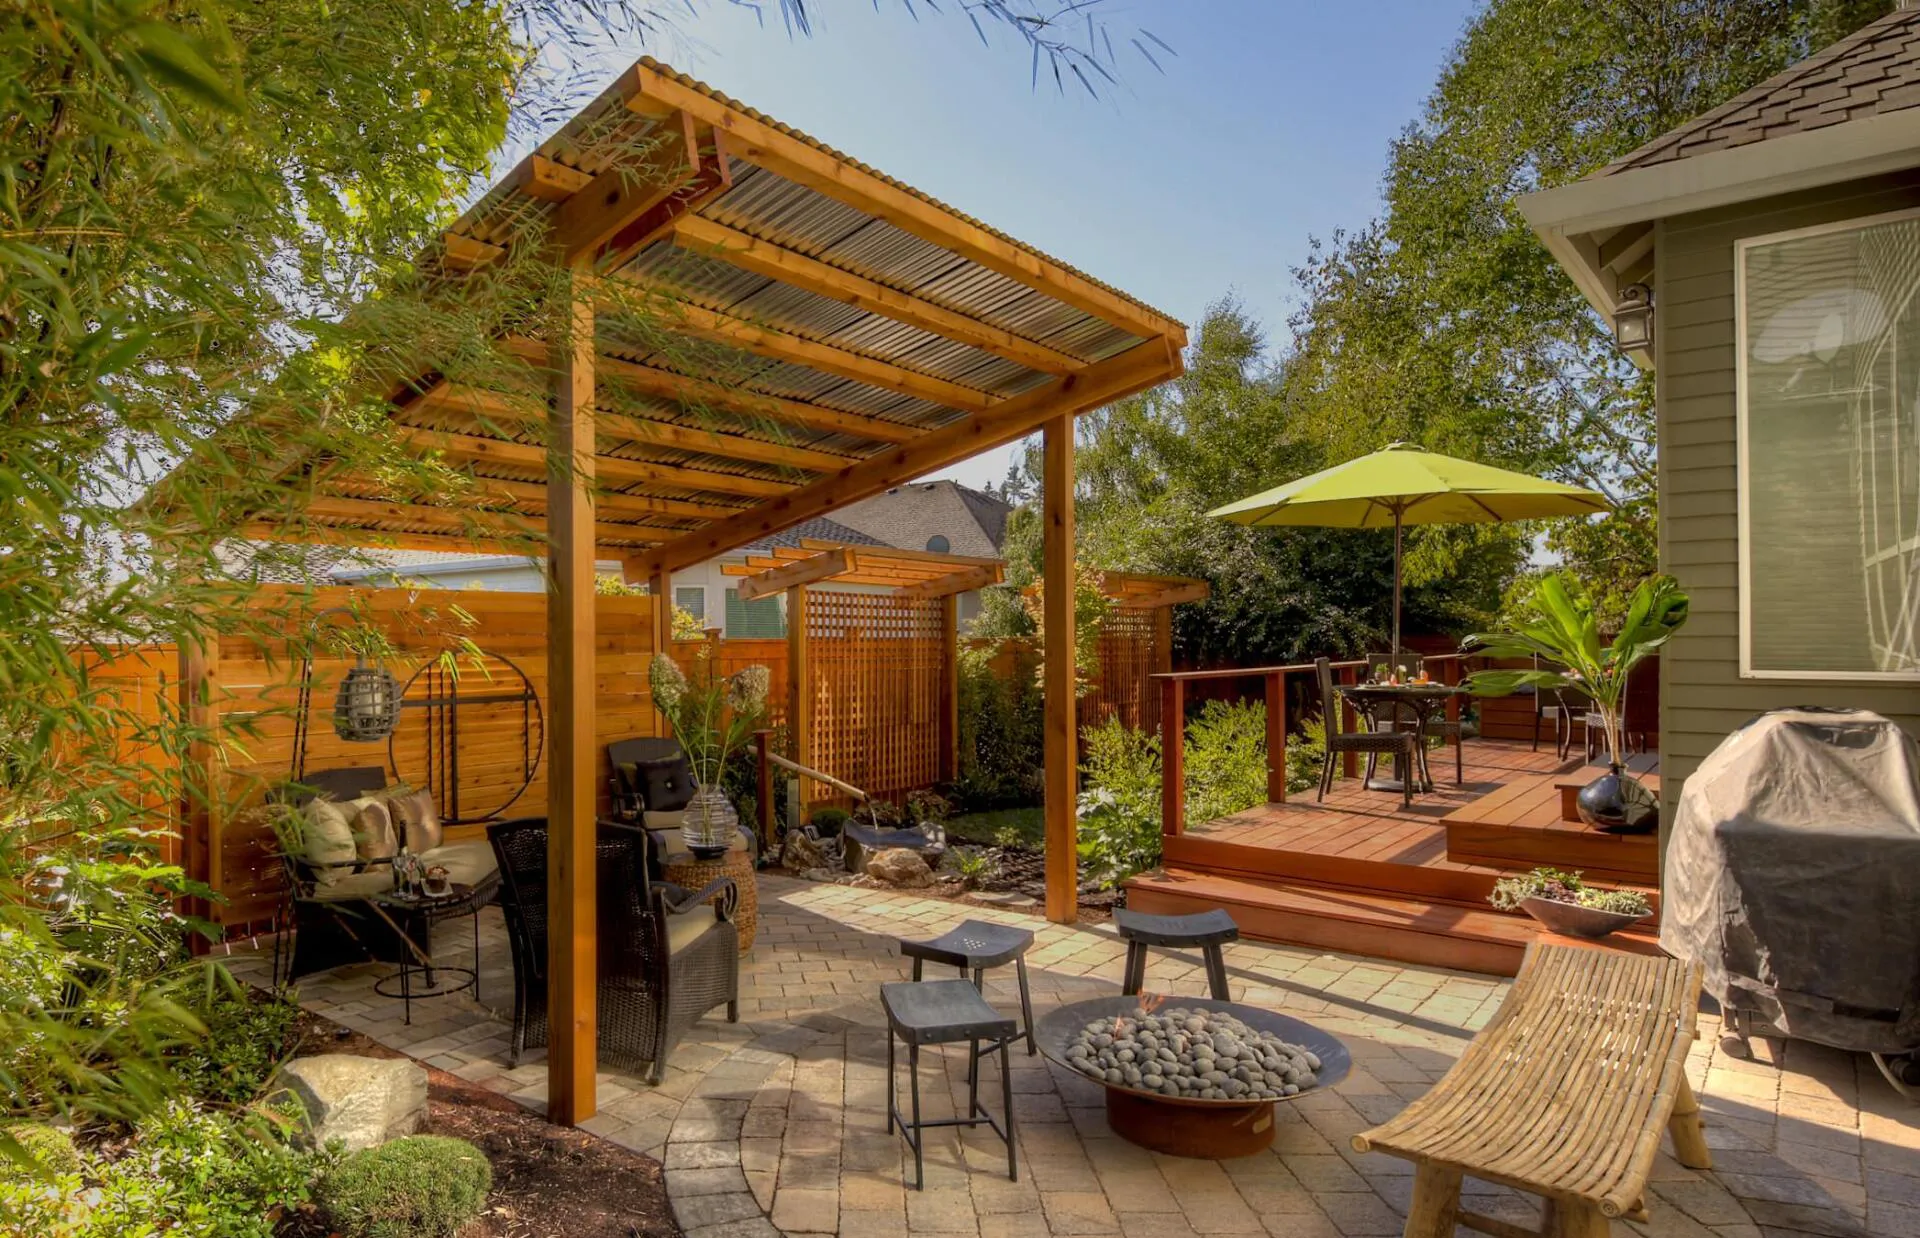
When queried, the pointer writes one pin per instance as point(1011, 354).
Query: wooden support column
point(1062, 762)
point(1173, 757)
point(763, 771)
point(660, 588)
point(1277, 738)
point(799, 678)
point(200, 775)
point(1162, 652)
point(572, 1012)
point(950, 687)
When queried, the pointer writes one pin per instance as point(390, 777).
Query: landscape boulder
point(360, 1101)
point(801, 851)
point(900, 868)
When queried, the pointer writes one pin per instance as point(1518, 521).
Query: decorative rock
point(900, 868)
point(801, 852)
point(360, 1101)
point(1208, 1055)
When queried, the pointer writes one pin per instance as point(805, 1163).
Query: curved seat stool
point(944, 1012)
point(974, 947)
point(1206, 931)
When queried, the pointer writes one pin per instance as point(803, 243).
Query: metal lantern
point(367, 706)
point(1633, 317)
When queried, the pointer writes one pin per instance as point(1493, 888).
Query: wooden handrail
point(769, 759)
point(1253, 672)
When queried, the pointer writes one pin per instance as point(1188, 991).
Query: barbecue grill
point(1793, 876)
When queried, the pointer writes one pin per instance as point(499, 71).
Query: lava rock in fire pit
point(1192, 1054)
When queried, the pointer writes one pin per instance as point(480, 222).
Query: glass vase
point(710, 824)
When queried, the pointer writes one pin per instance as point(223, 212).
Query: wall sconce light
point(1633, 318)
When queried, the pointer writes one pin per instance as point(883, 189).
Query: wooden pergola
point(756, 330)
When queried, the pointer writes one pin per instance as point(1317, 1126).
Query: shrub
point(973, 865)
point(1120, 809)
point(423, 1186)
point(188, 1171)
point(928, 807)
point(39, 1149)
point(1305, 753)
point(1226, 759)
point(247, 1039)
point(1001, 720)
point(828, 822)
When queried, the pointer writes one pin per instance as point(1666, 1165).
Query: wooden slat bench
point(1564, 1095)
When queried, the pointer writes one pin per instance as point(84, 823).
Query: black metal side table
point(414, 916)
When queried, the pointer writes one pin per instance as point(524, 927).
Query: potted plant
point(1562, 635)
point(712, 715)
point(1566, 904)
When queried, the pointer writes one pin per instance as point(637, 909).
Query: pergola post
point(1062, 781)
point(660, 589)
point(950, 687)
point(199, 672)
point(572, 1014)
point(799, 677)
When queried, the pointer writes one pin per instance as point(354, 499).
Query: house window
point(760, 619)
point(939, 544)
point(1829, 451)
point(692, 599)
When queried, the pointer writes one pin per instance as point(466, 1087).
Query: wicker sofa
point(665, 957)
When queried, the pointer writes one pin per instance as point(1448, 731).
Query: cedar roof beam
point(353, 538)
point(1144, 365)
point(823, 566)
point(786, 266)
point(696, 393)
point(469, 522)
point(613, 425)
point(685, 317)
point(651, 92)
point(1173, 595)
point(465, 253)
point(954, 582)
point(549, 180)
point(585, 226)
point(917, 556)
point(476, 450)
point(609, 502)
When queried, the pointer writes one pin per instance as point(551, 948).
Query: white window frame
point(706, 619)
point(1743, 444)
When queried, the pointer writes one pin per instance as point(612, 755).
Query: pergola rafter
point(686, 417)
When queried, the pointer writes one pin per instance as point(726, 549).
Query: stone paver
point(777, 1124)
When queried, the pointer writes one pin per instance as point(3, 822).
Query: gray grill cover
point(1793, 876)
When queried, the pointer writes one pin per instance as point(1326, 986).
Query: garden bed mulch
point(548, 1181)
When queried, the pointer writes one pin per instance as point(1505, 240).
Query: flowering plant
point(711, 714)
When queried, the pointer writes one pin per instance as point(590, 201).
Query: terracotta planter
point(1573, 920)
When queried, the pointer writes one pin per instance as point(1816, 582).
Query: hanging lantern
point(367, 706)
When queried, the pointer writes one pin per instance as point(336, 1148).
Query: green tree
point(1446, 323)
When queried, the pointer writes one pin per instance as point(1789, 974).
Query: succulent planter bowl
point(1573, 920)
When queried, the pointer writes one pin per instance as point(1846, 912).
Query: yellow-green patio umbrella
point(1401, 485)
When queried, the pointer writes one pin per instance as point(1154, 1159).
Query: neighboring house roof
point(820, 528)
point(1845, 113)
point(1872, 72)
point(908, 517)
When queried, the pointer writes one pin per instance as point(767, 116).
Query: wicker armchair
point(1373, 743)
point(327, 920)
point(665, 957)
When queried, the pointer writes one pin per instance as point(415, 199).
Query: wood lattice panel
point(1123, 688)
point(875, 663)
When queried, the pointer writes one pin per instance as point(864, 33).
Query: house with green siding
point(1764, 261)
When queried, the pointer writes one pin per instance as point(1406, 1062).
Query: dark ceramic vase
point(1618, 803)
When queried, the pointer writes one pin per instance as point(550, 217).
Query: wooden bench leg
point(1576, 1220)
point(1689, 1136)
point(1436, 1202)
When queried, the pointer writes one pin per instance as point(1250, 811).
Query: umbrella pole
point(1397, 513)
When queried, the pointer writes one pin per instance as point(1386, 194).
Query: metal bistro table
point(1425, 701)
point(414, 915)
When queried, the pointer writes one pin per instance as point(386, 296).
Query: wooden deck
point(1360, 872)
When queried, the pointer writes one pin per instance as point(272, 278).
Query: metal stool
point(974, 946)
point(1209, 930)
point(940, 1012)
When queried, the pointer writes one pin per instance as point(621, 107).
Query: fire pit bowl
point(1190, 1125)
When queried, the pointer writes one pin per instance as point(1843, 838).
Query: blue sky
point(1269, 126)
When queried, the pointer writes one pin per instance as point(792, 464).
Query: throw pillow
point(326, 839)
point(373, 833)
point(666, 784)
point(418, 820)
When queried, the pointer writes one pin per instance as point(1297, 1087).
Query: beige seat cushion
point(469, 862)
point(326, 838)
point(417, 820)
point(685, 929)
point(347, 887)
point(664, 820)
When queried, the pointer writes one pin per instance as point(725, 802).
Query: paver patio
point(776, 1124)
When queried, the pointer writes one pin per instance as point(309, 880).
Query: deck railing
point(1173, 713)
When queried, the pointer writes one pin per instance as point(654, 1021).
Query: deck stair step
point(1430, 932)
point(1530, 822)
